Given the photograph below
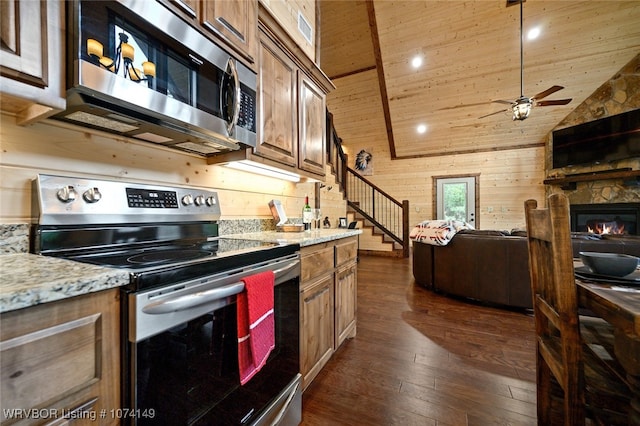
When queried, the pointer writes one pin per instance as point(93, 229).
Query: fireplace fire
point(600, 227)
point(614, 218)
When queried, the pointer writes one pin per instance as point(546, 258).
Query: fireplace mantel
point(569, 181)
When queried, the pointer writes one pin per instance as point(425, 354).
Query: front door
point(456, 199)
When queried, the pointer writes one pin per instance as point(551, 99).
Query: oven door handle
point(285, 269)
point(193, 300)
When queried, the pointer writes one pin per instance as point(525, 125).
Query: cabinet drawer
point(62, 355)
point(346, 251)
point(316, 263)
point(41, 366)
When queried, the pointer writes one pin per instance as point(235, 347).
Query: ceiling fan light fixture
point(521, 108)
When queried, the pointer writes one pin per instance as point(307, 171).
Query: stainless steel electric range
point(179, 328)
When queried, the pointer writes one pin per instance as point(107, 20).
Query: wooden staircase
point(372, 241)
point(383, 219)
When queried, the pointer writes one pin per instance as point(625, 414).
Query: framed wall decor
point(343, 222)
point(364, 162)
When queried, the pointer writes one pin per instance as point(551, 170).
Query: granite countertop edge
point(304, 238)
point(30, 279)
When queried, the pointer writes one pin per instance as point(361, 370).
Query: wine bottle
point(307, 215)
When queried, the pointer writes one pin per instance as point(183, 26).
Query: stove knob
point(199, 200)
point(67, 194)
point(187, 200)
point(92, 195)
point(211, 201)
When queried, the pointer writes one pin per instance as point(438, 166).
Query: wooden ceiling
point(471, 52)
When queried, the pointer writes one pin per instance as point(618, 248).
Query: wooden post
point(405, 228)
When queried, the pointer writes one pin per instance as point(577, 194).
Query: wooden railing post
point(405, 228)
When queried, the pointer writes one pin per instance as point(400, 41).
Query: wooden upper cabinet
point(277, 133)
point(231, 23)
point(311, 125)
point(234, 21)
point(31, 56)
point(24, 46)
point(189, 7)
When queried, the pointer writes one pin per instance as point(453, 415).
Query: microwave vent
point(202, 148)
point(101, 121)
point(153, 137)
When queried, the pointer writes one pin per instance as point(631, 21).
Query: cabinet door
point(24, 41)
point(346, 293)
point(189, 8)
point(31, 69)
point(316, 327)
point(236, 21)
point(277, 133)
point(62, 356)
point(312, 126)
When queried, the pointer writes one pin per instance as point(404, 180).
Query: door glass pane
point(455, 201)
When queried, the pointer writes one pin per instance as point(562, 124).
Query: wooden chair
point(571, 379)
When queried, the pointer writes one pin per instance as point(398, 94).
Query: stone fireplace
point(606, 193)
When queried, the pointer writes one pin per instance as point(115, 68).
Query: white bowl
point(613, 264)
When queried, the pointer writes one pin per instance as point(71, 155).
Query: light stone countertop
point(30, 279)
point(305, 238)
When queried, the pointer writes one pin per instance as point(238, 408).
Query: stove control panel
point(77, 200)
point(151, 199)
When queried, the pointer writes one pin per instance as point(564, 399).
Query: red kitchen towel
point(256, 324)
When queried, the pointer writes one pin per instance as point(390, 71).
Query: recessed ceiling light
point(533, 33)
point(422, 128)
point(416, 62)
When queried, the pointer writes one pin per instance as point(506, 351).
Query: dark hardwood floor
point(420, 358)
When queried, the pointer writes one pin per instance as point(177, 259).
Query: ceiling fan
point(521, 107)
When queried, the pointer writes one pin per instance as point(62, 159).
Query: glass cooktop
point(174, 253)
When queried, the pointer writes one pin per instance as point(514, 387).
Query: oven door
point(183, 352)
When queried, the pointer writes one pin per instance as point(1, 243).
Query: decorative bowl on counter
point(613, 264)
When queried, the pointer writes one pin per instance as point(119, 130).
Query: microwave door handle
point(231, 67)
point(189, 301)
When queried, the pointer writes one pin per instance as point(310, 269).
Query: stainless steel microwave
point(137, 70)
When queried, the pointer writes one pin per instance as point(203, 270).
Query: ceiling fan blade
point(502, 102)
point(555, 102)
point(550, 90)
point(494, 113)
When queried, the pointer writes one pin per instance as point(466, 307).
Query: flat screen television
point(600, 141)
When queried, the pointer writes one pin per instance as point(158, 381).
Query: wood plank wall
point(49, 147)
point(507, 178)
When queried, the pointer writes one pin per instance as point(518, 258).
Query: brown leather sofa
point(493, 266)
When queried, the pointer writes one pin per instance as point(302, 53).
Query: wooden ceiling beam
point(381, 80)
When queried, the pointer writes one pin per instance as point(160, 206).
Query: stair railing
point(376, 206)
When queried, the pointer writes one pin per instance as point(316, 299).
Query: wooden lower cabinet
point(316, 327)
point(328, 308)
point(346, 290)
point(62, 359)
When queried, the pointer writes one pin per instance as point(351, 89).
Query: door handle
point(189, 301)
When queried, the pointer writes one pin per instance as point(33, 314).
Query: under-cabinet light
point(263, 169)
